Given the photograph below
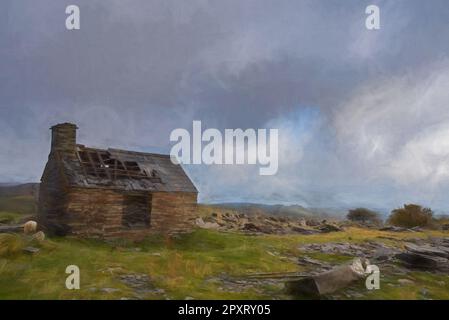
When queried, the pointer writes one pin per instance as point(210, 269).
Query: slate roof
point(124, 170)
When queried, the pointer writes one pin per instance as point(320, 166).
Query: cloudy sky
point(363, 116)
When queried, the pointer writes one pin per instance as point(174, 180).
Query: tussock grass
point(11, 244)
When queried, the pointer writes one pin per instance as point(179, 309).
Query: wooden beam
point(106, 169)
point(92, 164)
point(124, 166)
point(82, 166)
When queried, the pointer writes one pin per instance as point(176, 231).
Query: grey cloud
point(138, 69)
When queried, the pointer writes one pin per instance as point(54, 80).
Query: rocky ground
point(397, 258)
point(429, 256)
point(231, 255)
point(265, 224)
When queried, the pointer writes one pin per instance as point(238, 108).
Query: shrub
point(411, 215)
point(364, 215)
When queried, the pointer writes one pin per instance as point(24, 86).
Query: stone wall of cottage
point(98, 213)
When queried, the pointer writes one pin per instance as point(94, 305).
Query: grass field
point(25, 205)
point(192, 265)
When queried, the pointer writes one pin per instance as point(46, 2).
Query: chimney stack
point(63, 138)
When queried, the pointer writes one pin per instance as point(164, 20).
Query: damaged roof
point(124, 170)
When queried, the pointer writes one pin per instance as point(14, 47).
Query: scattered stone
point(424, 292)
point(38, 236)
point(109, 290)
point(375, 251)
point(307, 261)
point(30, 227)
point(251, 227)
point(31, 250)
point(394, 229)
point(357, 295)
point(112, 269)
point(206, 225)
point(406, 282)
point(384, 254)
point(136, 280)
point(326, 227)
point(141, 283)
point(391, 285)
point(304, 231)
point(303, 222)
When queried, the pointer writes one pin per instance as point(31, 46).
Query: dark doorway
point(136, 211)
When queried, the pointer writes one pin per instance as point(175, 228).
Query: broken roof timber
point(141, 171)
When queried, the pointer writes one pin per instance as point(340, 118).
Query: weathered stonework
point(98, 202)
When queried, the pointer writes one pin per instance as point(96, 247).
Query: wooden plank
point(82, 166)
point(124, 166)
point(92, 164)
point(115, 169)
point(106, 169)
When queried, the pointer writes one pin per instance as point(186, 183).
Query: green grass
point(191, 265)
point(18, 204)
point(10, 217)
point(11, 245)
point(179, 266)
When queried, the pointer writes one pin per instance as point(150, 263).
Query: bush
point(412, 215)
point(363, 215)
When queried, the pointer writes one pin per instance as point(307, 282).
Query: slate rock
point(330, 281)
point(31, 250)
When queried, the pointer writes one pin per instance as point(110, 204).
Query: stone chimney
point(63, 138)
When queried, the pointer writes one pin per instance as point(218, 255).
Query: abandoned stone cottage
point(112, 193)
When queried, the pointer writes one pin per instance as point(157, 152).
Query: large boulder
point(428, 250)
point(425, 257)
point(329, 281)
point(30, 227)
point(418, 261)
point(38, 236)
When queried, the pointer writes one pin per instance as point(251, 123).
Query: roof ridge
point(139, 152)
point(162, 155)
